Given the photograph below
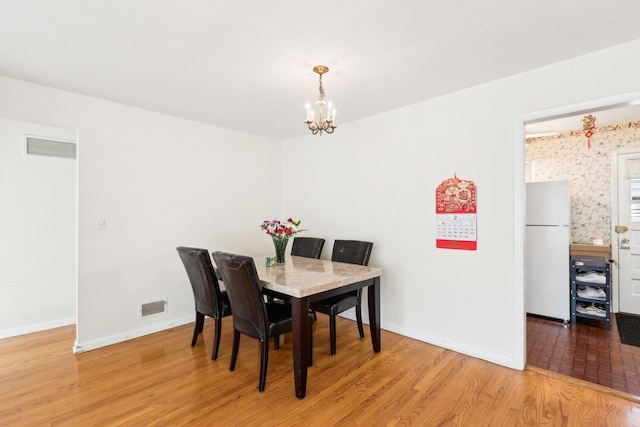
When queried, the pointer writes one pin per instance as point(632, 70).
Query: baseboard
point(498, 359)
point(80, 347)
point(23, 330)
point(430, 339)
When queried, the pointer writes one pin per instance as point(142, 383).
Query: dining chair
point(309, 247)
point(251, 315)
point(352, 252)
point(209, 299)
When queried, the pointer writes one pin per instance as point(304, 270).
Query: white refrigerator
point(547, 241)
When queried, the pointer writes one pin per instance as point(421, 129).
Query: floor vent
point(47, 147)
point(153, 308)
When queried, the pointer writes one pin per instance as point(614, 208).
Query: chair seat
point(336, 304)
point(224, 306)
point(279, 316)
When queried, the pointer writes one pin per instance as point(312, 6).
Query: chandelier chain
point(321, 89)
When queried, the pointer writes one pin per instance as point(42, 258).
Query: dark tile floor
point(585, 350)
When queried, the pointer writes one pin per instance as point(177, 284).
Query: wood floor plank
point(160, 380)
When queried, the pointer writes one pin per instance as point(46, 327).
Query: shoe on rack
point(592, 277)
point(592, 292)
point(581, 308)
point(594, 310)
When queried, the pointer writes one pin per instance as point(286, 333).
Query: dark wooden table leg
point(373, 295)
point(300, 334)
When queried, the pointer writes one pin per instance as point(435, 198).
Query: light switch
point(102, 223)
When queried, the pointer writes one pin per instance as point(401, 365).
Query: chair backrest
point(352, 251)
point(206, 289)
point(245, 294)
point(309, 247)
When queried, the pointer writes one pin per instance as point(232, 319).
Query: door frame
point(520, 314)
point(615, 247)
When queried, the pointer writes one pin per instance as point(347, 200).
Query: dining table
point(302, 281)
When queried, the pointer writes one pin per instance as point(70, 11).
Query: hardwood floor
point(160, 380)
point(585, 350)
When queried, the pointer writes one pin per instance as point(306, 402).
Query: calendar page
point(458, 228)
point(456, 214)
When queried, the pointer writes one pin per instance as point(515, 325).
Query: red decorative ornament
point(588, 125)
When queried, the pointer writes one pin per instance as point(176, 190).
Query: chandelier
point(322, 124)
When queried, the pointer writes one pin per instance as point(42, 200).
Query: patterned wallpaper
point(588, 170)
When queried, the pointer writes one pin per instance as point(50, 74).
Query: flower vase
point(281, 247)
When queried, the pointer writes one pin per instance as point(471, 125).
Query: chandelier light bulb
point(309, 115)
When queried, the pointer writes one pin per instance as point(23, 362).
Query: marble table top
point(301, 277)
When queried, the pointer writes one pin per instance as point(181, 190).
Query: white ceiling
point(246, 64)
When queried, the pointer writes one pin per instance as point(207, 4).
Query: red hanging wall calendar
point(456, 214)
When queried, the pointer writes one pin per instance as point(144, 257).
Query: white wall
point(159, 182)
point(375, 180)
point(38, 232)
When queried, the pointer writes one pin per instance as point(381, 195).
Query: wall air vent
point(47, 147)
point(153, 308)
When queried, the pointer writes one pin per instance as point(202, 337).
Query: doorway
point(625, 166)
point(38, 255)
point(574, 337)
